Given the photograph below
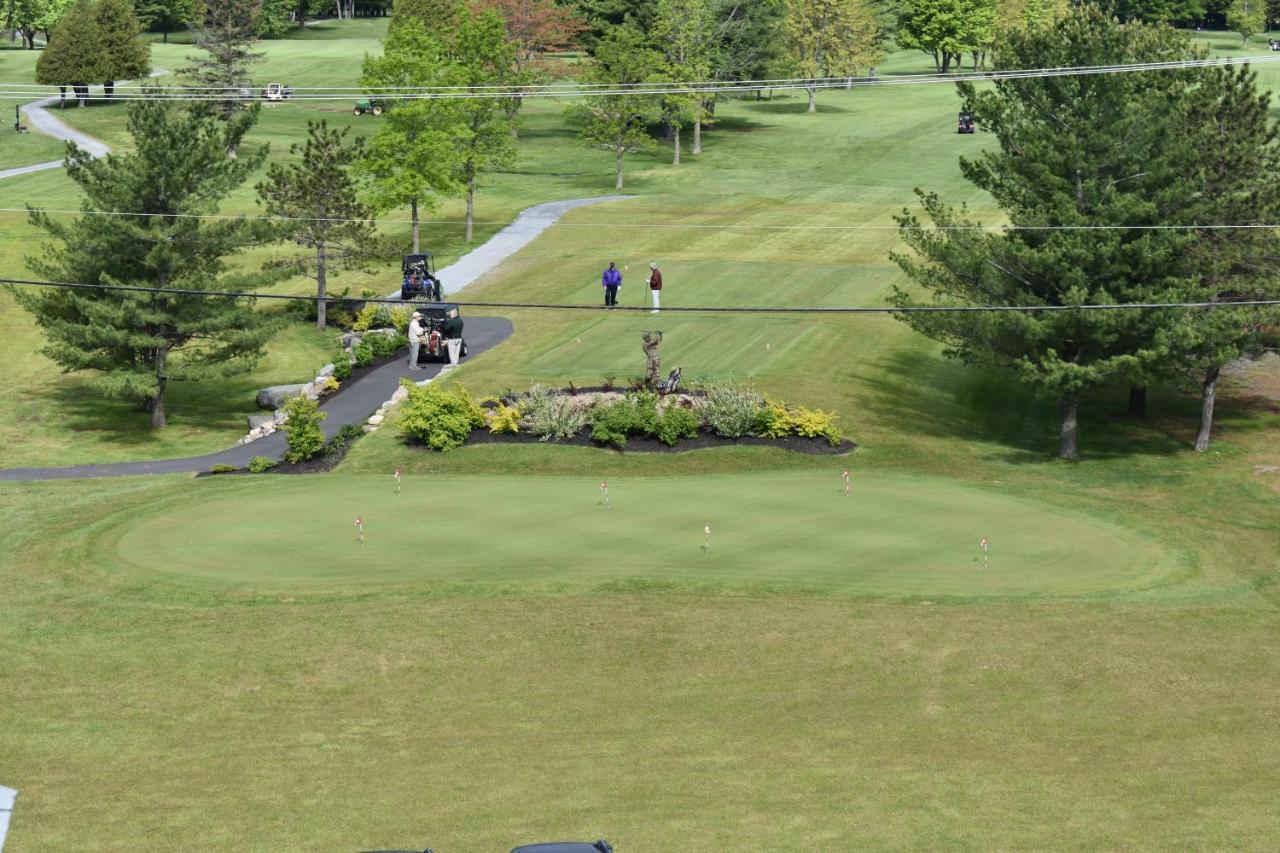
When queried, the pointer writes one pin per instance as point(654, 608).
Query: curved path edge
point(361, 398)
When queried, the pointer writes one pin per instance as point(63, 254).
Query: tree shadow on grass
point(793, 106)
point(919, 392)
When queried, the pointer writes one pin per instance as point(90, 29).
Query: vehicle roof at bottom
point(558, 847)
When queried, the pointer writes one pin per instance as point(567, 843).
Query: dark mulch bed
point(646, 444)
point(319, 464)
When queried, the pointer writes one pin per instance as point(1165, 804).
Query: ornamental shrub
point(366, 318)
point(730, 410)
point(551, 415)
point(676, 423)
point(345, 436)
point(363, 354)
point(771, 420)
point(261, 465)
point(441, 419)
point(341, 367)
point(504, 419)
point(302, 430)
point(223, 469)
point(635, 414)
point(385, 346)
point(329, 385)
point(814, 423)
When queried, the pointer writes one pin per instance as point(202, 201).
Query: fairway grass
point(894, 536)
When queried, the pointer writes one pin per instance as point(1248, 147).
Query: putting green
point(895, 536)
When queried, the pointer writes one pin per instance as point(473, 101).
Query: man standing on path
point(611, 281)
point(655, 283)
point(415, 339)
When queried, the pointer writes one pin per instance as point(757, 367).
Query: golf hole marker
point(986, 563)
point(845, 475)
point(397, 476)
point(360, 527)
point(604, 487)
point(706, 542)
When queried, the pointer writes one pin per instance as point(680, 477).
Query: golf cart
point(420, 278)
point(964, 124)
point(277, 92)
point(369, 105)
point(442, 323)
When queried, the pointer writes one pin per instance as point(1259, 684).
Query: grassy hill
point(219, 663)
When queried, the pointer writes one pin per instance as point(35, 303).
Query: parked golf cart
point(369, 105)
point(964, 124)
point(442, 322)
point(277, 92)
point(420, 281)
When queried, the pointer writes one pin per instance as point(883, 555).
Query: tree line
point(1100, 167)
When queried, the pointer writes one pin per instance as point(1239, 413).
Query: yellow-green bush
point(814, 423)
point(772, 420)
point(367, 317)
point(439, 418)
point(504, 419)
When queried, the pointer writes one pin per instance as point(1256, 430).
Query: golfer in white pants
point(655, 284)
point(415, 340)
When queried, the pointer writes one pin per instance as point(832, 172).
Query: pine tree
point(318, 197)
point(137, 343)
point(225, 32)
point(439, 17)
point(127, 57)
point(1072, 151)
point(73, 57)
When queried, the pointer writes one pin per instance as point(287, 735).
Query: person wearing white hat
point(415, 339)
point(655, 283)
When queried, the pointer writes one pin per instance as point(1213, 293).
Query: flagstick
point(846, 482)
point(397, 475)
point(604, 487)
point(706, 545)
point(986, 563)
point(360, 527)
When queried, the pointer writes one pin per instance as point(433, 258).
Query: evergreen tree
point(411, 159)
point(73, 57)
point(830, 38)
point(1072, 151)
point(617, 122)
point(137, 343)
point(225, 32)
point(603, 16)
point(317, 197)
point(439, 17)
point(126, 55)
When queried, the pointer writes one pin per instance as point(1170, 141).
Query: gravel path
point(359, 399)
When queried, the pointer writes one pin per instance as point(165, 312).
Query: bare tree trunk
point(471, 206)
point(1208, 395)
point(1068, 433)
point(813, 99)
point(413, 214)
point(617, 170)
point(675, 139)
point(321, 303)
point(697, 135)
point(1137, 402)
point(157, 402)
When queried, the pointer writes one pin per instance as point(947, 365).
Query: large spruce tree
point(73, 57)
point(125, 55)
point(138, 343)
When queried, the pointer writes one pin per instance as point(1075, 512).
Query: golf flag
point(604, 487)
point(360, 527)
point(984, 544)
point(706, 544)
point(846, 482)
point(397, 476)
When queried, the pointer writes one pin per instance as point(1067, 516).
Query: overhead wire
point(686, 309)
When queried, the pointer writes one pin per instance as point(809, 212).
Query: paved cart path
point(361, 398)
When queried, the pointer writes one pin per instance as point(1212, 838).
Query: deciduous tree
point(830, 38)
point(138, 343)
point(1247, 17)
point(166, 15)
point(946, 29)
point(616, 122)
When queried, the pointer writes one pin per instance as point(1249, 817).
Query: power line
point(133, 93)
point(687, 309)
point(728, 226)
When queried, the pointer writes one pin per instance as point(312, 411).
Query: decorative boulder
point(256, 421)
point(274, 397)
point(327, 370)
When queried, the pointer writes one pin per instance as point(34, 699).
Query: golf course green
point(892, 536)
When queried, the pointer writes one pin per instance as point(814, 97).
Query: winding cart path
point(360, 398)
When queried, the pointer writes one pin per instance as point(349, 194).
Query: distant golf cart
point(442, 322)
point(369, 105)
point(964, 124)
point(277, 92)
point(420, 281)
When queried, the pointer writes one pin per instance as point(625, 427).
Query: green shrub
point(635, 414)
point(385, 346)
point(441, 419)
point(341, 367)
point(730, 410)
point(771, 420)
point(814, 423)
point(504, 419)
point(222, 469)
point(261, 465)
point(366, 318)
point(345, 437)
point(676, 423)
point(551, 415)
point(363, 354)
point(302, 430)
